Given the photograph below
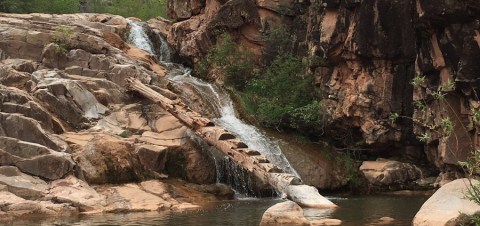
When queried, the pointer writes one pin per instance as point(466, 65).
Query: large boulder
point(285, 213)
point(107, 159)
point(447, 204)
point(384, 172)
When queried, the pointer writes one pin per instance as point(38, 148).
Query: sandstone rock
point(14, 206)
point(78, 193)
point(285, 213)
point(184, 9)
point(385, 172)
point(131, 197)
point(35, 159)
point(31, 131)
point(19, 101)
point(190, 162)
point(152, 157)
point(20, 184)
point(446, 205)
point(106, 159)
point(67, 98)
point(307, 196)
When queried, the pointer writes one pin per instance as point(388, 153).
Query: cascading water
point(228, 119)
point(222, 103)
point(139, 38)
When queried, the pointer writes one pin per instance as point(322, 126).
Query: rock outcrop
point(447, 204)
point(67, 122)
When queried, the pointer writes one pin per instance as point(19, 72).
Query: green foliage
point(62, 37)
point(418, 80)
point(124, 134)
point(420, 105)
point(438, 95)
point(236, 64)
point(447, 125)
point(425, 137)
point(393, 117)
point(40, 6)
point(469, 220)
point(284, 94)
point(449, 85)
point(143, 9)
point(476, 116)
point(345, 161)
point(277, 42)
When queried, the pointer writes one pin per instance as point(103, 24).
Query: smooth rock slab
point(285, 213)
point(307, 196)
point(132, 198)
point(446, 205)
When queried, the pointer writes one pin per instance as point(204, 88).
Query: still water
point(361, 210)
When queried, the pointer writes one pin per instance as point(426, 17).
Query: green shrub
point(62, 37)
point(285, 95)
point(40, 6)
point(235, 64)
point(143, 9)
point(276, 42)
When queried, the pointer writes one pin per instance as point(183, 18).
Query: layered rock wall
point(372, 49)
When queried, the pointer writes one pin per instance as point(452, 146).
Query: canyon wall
point(372, 50)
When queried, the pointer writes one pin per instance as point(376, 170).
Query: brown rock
point(184, 9)
point(20, 184)
point(385, 172)
point(105, 159)
point(285, 213)
point(78, 193)
point(35, 159)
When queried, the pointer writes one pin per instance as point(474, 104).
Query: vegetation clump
point(143, 9)
point(61, 37)
point(279, 94)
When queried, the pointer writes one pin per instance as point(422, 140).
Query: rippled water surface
point(361, 210)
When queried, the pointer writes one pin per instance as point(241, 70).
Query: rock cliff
point(372, 50)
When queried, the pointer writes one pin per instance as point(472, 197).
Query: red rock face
point(373, 49)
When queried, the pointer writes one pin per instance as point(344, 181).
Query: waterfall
point(139, 38)
point(228, 119)
point(220, 100)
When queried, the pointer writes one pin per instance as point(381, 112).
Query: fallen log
point(235, 149)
